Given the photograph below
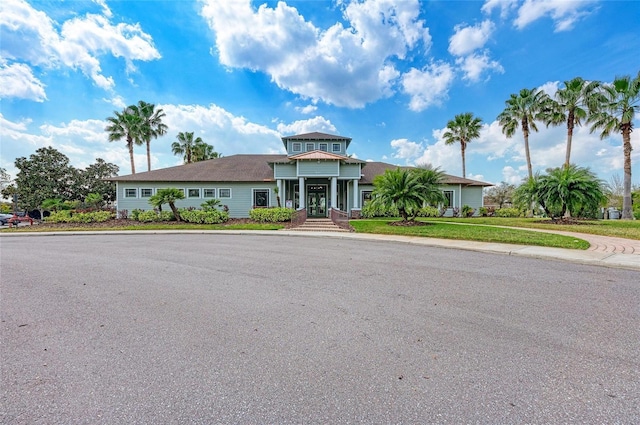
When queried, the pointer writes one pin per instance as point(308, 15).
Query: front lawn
point(471, 233)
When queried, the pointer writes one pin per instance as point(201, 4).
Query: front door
point(317, 200)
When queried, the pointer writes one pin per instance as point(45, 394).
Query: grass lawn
point(629, 229)
point(150, 226)
point(471, 233)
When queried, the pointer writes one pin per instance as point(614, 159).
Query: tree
point(523, 110)
point(94, 200)
point(46, 174)
point(617, 104)
point(185, 146)
point(571, 105)
point(203, 151)
point(407, 190)
point(151, 125)
point(5, 179)
point(463, 128)
point(94, 179)
point(614, 189)
point(167, 196)
point(573, 189)
point(126, 125)
point(501, 194)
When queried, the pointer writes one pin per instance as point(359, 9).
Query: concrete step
point(318, 225)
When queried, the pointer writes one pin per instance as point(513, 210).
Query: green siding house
point(316, 174)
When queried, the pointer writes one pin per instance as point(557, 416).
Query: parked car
point(4, 218)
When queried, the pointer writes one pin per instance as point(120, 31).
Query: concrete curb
point(605, 259)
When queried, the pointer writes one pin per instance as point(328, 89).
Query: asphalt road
point(269, 329)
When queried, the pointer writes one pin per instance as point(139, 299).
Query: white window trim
point(326, 147)
point(209, 197)
point(194, 197)
point(225, 188)
point(293, 146)
point(262, 189)
point(313, 146)
point(453, 197)
point(333, 147)
point(135, 189)
point(145, 188)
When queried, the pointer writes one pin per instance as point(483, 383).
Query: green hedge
point(66, 216)
point(204, 216)
point(152, 216)
point(508, 212)
point(271, 215)
point(370, 211)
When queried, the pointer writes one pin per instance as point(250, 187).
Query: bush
point(204, 216)
point(370, 210)
point(429, 212)
point(467, 211)
point(483, 211)
point(66, 216)
point(508, 212)
point(271, 215)
point(153, 216)
point(135, 214)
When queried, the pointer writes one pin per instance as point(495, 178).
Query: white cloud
point(505, 6)
point(31, 37)
point(406, 149)
point(550, 88)
point(17, 81)
point(318, 123)
point(474, 65)
point(564, 13)
point(469, 38)
point(429, 86)
point(309, 109)
point(513, 176)
point(349, 66)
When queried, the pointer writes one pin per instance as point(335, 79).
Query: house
point(315, 174)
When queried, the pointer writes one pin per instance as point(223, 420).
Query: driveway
point(175, 328)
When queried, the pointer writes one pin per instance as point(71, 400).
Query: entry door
point(317, 200)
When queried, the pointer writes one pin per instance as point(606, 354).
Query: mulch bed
point(410, 223)
point(120, 223)
point(565, 221)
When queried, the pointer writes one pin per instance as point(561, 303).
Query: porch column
point(356, 196)
point(301, 192)
point(334, 192)
point(280, 191)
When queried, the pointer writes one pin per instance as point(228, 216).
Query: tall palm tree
point(152, 125)
point(463, 128)
point(203, 151)
point(618, 103)
point(125, 125)
point(572, 104)
point(186, 146)
point(523, 110)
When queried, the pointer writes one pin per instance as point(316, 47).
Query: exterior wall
point(318, 168)
point(284, 171)
point(472, 196)
point(316, 146)
point(239, 204)
point(349, 171)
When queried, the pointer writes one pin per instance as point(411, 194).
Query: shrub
point(508, 212)
point(483, 211)
point(151, 216)
point(467, 211)
point(66, 216)
point(204, 216)
point(429, 212)
point(371, 210)
point(135, 214)
point(271, 215)
point(62, 216)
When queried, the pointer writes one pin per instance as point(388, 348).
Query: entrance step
point(319, 225)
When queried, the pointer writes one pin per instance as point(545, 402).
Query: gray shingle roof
point(255, 168)
point(316, 136)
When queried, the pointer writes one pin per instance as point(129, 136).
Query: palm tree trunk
point(176, 214)
point(526, 151)
point(567, 159)
point(464, 168)
point(626, 199)
point(130, 146)
point(148, 155)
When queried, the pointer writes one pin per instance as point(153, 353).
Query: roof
point(254, 168)
point(372, 169)
point(316, 136)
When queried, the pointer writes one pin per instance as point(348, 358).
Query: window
point(261, 198)
point(324, 147)
point(131, 193)
point(297, 146)
point(310, 147)
point(193, 193)
point(336, 147)
point(448, 194)
point(209, 193)
point(146, 193)
point(366, 196)
point(224, 193)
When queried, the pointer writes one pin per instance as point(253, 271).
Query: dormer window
point(297, 146)
point(310, 147)
point(336, 147)
point(324, 147)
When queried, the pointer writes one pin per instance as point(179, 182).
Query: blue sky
point(243, 74)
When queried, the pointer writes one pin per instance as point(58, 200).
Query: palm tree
point(186, 146)
point(523, 110)
point(203, 151)
point(169, 196)
point(125, 125)
point(463, 129)
point(407, 190)
point(618, 103)
point(572, 105)
point(151, 125)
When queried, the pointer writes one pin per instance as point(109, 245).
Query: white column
point(301, 192)
point(356, 195)
point(279, 194)
point(334, 192)
point(283, 192)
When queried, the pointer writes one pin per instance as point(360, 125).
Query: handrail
point(340, 219)
point(299, 217)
